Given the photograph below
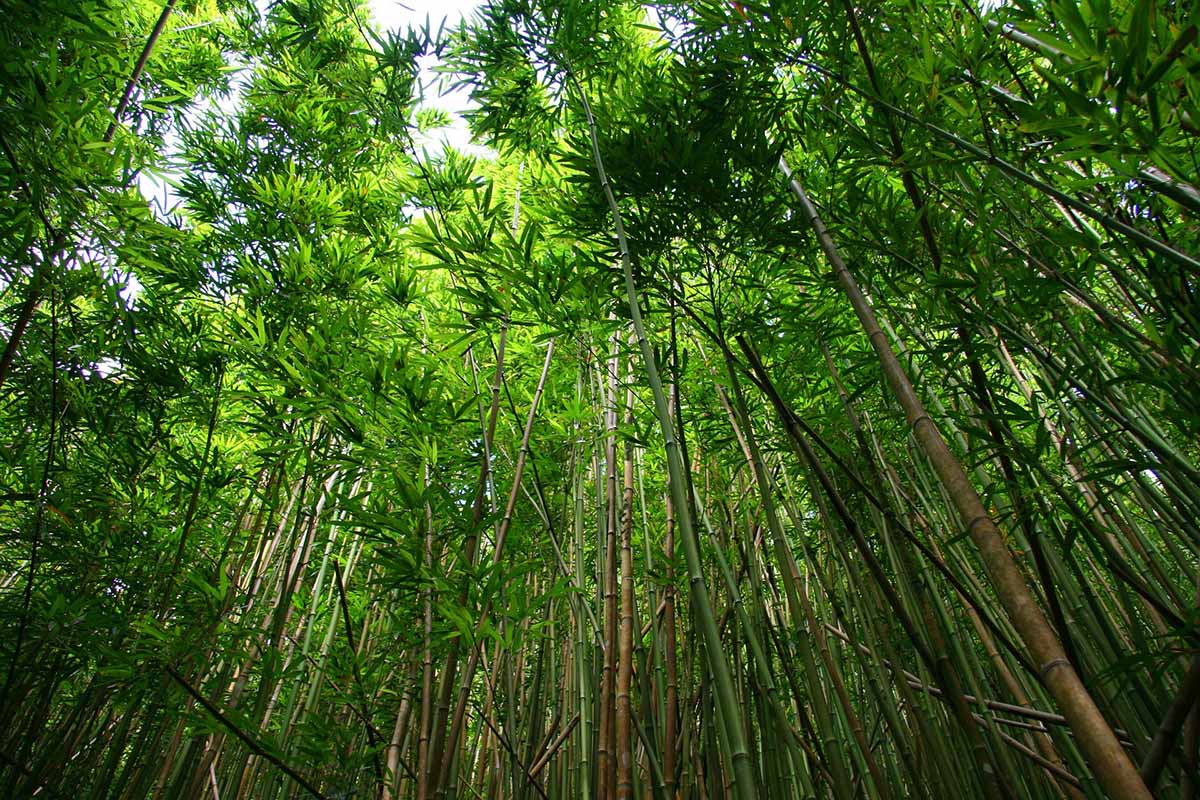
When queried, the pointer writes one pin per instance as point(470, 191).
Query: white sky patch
point(437, 14)
point(393, 14)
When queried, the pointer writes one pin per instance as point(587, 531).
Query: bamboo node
point(919, 419)
point(1050, 666)
point(971, 525)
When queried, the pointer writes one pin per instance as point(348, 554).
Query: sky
point(392, 15)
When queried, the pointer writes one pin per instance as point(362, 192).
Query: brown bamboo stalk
point(606, 746)
point(624, 742)
point(670, 655)
point(456, 725)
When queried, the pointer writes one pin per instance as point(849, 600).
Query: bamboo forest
point(519, 399)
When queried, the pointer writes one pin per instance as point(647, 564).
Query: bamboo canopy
point(772, 400)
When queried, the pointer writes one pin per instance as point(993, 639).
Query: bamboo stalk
point(740, 758)
point(1111, 764)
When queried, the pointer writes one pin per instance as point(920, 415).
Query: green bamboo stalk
point(726, 698)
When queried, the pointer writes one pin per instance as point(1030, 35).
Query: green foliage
point(320, 359)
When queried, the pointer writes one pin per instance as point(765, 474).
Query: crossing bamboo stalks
point(449, 756)
point(1107, 758)
point(727, 702)
point(347, 470)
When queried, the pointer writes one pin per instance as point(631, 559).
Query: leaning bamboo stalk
point(248, 740)
point(1111, 764)
point(1172, 722)
point(537, 766)
point(924, 222)
point(372, 733)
